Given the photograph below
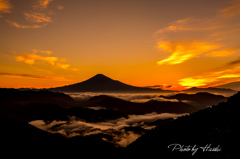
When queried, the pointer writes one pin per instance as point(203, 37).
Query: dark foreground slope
point(19, 139)
point(216, 127)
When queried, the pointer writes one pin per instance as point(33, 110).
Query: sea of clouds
point(133, 97)
point(116, 129)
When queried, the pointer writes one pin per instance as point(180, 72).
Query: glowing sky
point(177, 43)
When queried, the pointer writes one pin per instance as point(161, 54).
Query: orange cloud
point(42, 4)
point(37, 17)
point(38, 14)
point(229, 76)
point(184, 51)
point(5, 7)
point(59, 7)
point(15, 24)
point(223, 52)
point(31, 58)
point(63, 66)
point(233, 63)
point(215, 78)
point(43, 70)
point(188, 24)
point(31, 76)
point(191, 41)
point(194, 82)
point(232, 10)
point(212, 37)
point(36, 51)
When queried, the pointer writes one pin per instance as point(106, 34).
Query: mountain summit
point(102, 83)
point(99, 78)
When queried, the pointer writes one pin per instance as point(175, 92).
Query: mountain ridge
point(212, 90)
point(201, 99)
point(102, 83)
point(231, 85)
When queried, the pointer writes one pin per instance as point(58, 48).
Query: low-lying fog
point(120, 132)
point(133, 97)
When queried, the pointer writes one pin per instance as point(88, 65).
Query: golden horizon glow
point(223, 76)
point(214, 42)
point(47, 43)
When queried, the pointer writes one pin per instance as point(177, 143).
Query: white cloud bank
point(114, 128)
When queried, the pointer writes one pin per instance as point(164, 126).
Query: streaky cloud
point(41, 4)
point(37, 17)
point(34, 26)
point(224, 75)
point(232, 10)
point(182, 51)
point(189, 38)
point(31, 58)
point(235, 62)
point(12, 75)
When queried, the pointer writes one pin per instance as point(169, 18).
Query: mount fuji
point(102, 83)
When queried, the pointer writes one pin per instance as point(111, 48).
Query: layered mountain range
point(216, 125)
point(102, 83)
point(206, 124)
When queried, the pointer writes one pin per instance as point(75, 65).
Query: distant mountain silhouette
point(128, 107)
point(213, 90)
point(200, 100)
point(22, 97)
point(30, 105)
point(102, 83)
point(50, 112)
point(232, 85)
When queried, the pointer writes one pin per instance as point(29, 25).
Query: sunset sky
point(171, 43)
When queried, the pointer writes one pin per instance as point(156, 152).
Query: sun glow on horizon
point(47, 43)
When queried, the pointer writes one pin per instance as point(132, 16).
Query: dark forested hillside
point(215, 128)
